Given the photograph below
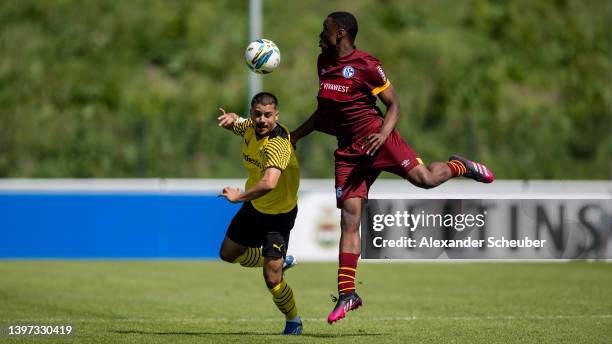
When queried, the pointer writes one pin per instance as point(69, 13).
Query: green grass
point(211, 302)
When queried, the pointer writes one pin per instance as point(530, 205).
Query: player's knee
point(272, 277)
point(349, 223)
point(273, 281)
point(225, 256)
point(350, 217)
point(424, 179)
point(428, 184)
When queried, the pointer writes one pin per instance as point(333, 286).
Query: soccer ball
point(262, 56)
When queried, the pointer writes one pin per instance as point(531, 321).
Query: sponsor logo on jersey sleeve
point(382, 73)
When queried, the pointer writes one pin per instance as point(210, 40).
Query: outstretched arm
point(226, 120)
point(391, 100)
point(304, 129)
point(266, 184)
point(233, 122)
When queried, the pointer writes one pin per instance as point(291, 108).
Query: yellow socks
point(251, 258)
point(282, 295)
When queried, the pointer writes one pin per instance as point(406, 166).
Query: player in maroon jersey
point(350, 80)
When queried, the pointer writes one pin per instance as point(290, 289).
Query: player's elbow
point(395, 106)
point(268, 185)
point(270, 179)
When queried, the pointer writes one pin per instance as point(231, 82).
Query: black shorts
point(251, 228)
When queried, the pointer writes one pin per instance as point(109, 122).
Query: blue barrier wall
point(112, 225)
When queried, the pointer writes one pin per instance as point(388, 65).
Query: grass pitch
point(213, 302)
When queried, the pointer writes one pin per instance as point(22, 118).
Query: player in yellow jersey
point(258, 235)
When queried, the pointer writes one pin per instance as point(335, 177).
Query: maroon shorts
point(356, 171)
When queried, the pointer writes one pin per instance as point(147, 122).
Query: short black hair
point(264, 98)
point(345, 21)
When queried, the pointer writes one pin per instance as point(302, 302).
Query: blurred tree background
point(131, 88)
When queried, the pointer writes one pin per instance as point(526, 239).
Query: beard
point(328, 49)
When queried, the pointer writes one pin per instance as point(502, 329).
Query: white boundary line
point(384, 188)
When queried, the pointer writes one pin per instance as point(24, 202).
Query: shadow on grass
point(243, 333)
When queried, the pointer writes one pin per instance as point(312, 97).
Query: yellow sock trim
point(345, 289)
point(459, 165)
point(277, 287)
point(347, 268)
point(343, 275)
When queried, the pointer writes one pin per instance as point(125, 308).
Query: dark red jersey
point(347, 96)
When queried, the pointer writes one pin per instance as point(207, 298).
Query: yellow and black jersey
point(272, 151)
